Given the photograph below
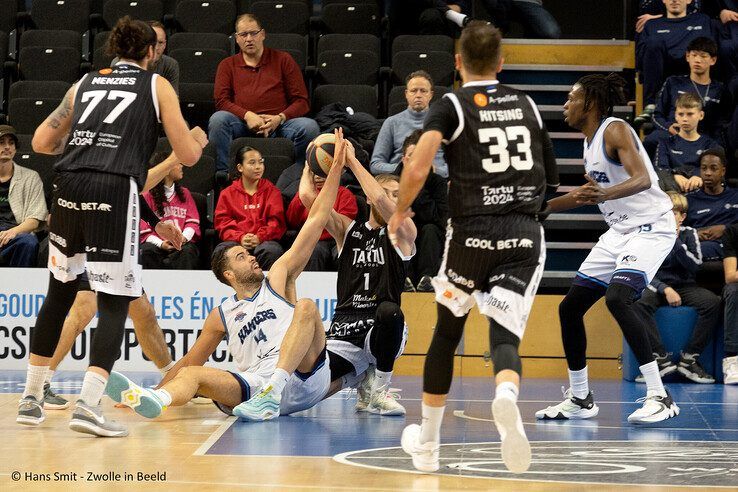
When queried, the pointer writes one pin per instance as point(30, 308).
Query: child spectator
point(170, 201)
point(250, 211)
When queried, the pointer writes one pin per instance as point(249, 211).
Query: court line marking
point(214, 437)
point(462, 415)
point(342, 458)
point(598, 402)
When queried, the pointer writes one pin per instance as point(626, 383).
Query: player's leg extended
point(80, 315)
point(301, 347)
point(385, 341)
point(149, 333)
point(45, 337)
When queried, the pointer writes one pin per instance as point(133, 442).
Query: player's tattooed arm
point(51, 136)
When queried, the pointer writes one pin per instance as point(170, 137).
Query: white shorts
point(302, 391)
point(360, 357)
point(630, 258)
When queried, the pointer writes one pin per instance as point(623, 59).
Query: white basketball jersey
point(633, 211)
point(255, 328)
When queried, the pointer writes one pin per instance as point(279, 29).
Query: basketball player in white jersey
point(277, 342)
point(623, 183)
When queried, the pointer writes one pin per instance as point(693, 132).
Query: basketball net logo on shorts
point(85, 206)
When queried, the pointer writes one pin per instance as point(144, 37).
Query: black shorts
point(495, 261)
point(95, 227)
point(351, 327)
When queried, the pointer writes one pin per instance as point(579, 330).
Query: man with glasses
point(387, 155)
point(259, 92)
point(164, 65)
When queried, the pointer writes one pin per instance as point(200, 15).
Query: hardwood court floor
point(200, 449)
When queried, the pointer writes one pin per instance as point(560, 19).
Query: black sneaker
point(425, 285)
point(409, 287)
point(692, 370)
point(666, 366)
point(644, 117)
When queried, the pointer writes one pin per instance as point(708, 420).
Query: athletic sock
point(35, 378)
point(164, 396)
point(430, 429)
point(49, 376)
point(507, 390)
point(279, 380)
point(93, 387)
point(381, 381)
point(579, 383)
point(164, 370)
point(651, 374)
point(455, 17)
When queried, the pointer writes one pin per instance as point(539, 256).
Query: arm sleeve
point(192, 218)
point(442, 117)
point(663, 107)
point(661, 161)
point(297, 95)
point(223, 91)
point(35, 206)
point(380, 162)
point(658, 285)
point(275, 226)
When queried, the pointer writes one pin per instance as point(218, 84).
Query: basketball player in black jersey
point(367, 332)
point(105, 128)
point(500, 159)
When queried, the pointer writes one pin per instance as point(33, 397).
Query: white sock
point(381, 381)
point(579, 383)
point(49, 375)
point(164, 370)
point(279, 380)
point(35, 377)
point(93, 387)
point(507, 390)
point(455, 17)
point(164, 396)
point(430, 429)
point(651, 374)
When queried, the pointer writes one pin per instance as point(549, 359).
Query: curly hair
point(130, 39)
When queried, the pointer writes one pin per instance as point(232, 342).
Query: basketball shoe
point(263, 406)
point(692, 370)
point(90, 420)
point(364, 391)
point(730, 370)
point(425, 456)
point(655, 409)
point(143, 401)
point(572, 408)
point(382, 402)
point(30, 411)
point(515, 447)
point(52, 401)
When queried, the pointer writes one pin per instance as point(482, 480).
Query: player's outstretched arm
point(337, 223)
point(212, 333)
point(293, 261)
point(187, 145)
point(51, 136)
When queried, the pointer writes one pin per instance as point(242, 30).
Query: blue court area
point(699, 447)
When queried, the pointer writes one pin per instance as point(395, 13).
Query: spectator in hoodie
point(675, 285)
point(170, 201)
point(325, 253)
point(250, 211)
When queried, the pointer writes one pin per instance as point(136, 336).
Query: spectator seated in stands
point(259, 92)
point(654, 9)
point(714, 206)
point(170, 201)
point(730, 299)
point(678, 155)
point(661, 47)
point(250, 211)
point(387, 154)
point(431, 213)
point(729, 36)
point(675, 285)
point(325, 253)
point(712, 94)
point(428, 16)
point(536, 20)
point(22, 205)
point(164, 65)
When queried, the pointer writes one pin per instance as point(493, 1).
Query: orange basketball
point(320, 154)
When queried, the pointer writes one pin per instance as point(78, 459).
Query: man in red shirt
point(259, 92)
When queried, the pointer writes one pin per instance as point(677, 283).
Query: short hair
point(130, 39)
point(717, 152)
point(386, 178)
point(603, 92)
point(411, 139)
point(703, 44)
point(155, 23)
point(219, 260)
point(419, 73)
point(248, 17)
point(678, 201)
point(479, 47)
point(689, 100)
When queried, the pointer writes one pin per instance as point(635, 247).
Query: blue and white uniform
point(255, 328)
point(642, 226)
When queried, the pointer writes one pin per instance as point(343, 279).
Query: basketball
point(320, 154)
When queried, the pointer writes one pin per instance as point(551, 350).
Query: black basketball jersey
point(115, 124)
point(494, 148)
point(370, 270)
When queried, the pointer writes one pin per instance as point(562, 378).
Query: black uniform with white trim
point(95, 208)
point(500, 160)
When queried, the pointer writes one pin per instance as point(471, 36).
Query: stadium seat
point(294, 44)
point(396, 102)
point(49, 38)
point(421, 43)
point(138, 9)
point(199, 40)
point(350, 18)
point(283, 17)
point(347, 67)
point(8, 26)
point(200, 177)
point(41, 163)
point(205, 16)
point(100, 59)
point(48, 89)
point(40, 63)
point(278, 154)
point(196, 101)
point(439, 64)
point(26, 114)
point(197, 65)
point(358, 97)
point(70, 15)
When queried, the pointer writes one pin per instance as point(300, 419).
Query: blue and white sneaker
point(142, 400)
point(263, 406)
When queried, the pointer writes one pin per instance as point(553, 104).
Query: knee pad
point(504, 346)
point(620, 296)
